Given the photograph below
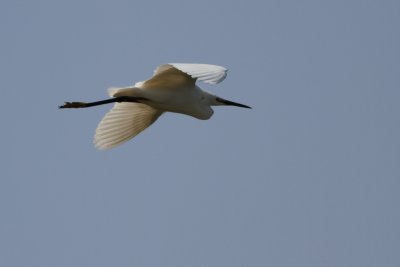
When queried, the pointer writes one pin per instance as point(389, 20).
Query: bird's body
point(171, 89)
point(190, 101)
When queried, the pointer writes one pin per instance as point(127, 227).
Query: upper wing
point(204, 72)
point(123, 122)
point(180, 75)
point(168, 77)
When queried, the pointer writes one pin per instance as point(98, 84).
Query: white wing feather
point(204, 72)
point(123, 122)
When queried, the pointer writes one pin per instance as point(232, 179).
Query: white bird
point(172, 88)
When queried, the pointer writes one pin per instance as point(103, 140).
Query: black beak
point(230, 103)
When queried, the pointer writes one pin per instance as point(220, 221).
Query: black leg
point(102, 102)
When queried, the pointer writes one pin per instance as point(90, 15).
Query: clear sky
point(308, 177)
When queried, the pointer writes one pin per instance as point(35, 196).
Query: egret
point(171, 89)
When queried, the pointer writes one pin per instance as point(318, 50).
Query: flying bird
point(171, 89)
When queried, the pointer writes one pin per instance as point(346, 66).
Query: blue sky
point(308, 177)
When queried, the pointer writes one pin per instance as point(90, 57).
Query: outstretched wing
point(207, 73)
point(123, 122)
point(183, 75)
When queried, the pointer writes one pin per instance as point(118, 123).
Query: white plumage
point(171, 89)
point(123, 122)
point(204, 72)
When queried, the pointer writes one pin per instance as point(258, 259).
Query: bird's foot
point(73, 105)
